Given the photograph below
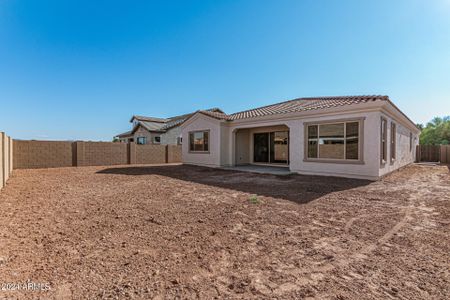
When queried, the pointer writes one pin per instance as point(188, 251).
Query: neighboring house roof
point(150, 126)
point(148, 119)
point(125, 134)
point(162, 124)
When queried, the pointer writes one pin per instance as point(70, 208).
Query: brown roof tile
point(303, 104)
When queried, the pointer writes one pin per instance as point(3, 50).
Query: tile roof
point(304, 104)
point(149, 119)
point(164, 124)
point(125, 134)
point(214, 114)
point(152, 126)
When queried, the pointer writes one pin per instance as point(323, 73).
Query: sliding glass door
point(261, 147)
point(271, 147)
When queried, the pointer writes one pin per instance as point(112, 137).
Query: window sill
point(335, 161)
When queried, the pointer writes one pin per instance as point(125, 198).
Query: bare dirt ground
point(189, 232)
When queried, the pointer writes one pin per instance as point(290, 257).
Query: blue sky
point(80, 69)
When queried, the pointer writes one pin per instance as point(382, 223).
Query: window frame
point(393, 142)
point(383, 138)
point(199, 151)
point(154, 139)
point(344, 160)
point(141, 137)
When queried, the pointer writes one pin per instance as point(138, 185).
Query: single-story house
point(350, 136)
point(152, 130)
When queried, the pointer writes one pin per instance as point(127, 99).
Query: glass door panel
point(261, 147)
point(279, 147)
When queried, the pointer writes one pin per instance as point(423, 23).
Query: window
point(199, 141)
point(179, 140)
point(157, 139)
point(334, 141)
point(393, 141)
point(141, 140)
point(383, 140)
point(352, 140)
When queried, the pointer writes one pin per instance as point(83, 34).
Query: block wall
point(42, 154)
point(101, 153)
point(151, 154)
point(174, 154)
point(56, 154)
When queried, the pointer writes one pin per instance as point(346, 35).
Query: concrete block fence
point(54, 154)
point(6, 158)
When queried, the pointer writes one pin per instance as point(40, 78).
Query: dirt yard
point(189, 232)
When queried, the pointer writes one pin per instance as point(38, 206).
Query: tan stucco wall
point(370, 151)
point(170, 137)
point(232, 146)
point(202, 122)
point(242, 146)
point(142, 132)
point(405, 155)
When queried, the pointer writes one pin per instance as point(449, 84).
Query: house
point(151, 130)
point(350, 136)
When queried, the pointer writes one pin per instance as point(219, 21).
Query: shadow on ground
point(294, 187)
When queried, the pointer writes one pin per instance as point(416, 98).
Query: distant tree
point(436, 132)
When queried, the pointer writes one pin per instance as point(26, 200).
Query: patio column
point(233, 147)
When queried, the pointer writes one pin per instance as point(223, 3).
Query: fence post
point(131, 153)
point(167, 154)
point(79, 153)
point(11, 166)
point(5, 158)
point(418, 153)
point(445, 154)
point(2, 164)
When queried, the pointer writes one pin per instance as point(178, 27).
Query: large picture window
point(334, 141)
point(199, 141)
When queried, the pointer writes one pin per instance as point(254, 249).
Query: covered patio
point(273, 170)
point(265, 146)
